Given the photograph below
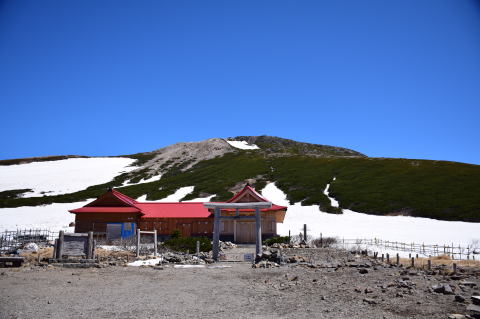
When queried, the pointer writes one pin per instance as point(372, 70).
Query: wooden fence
point(424, 250)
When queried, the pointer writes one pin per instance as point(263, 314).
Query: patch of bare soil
point(333, 284)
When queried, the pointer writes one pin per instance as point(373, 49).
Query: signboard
point(248, 257)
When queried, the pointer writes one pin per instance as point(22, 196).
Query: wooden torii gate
point(237, 206)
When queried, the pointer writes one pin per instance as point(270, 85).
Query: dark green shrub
point(175, 234)
point(188, 244)
point(277, 240)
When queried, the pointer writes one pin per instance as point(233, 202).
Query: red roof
point(174, 210)
point(92, 209)
point(247, 189)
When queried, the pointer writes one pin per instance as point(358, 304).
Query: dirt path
point(236, 292)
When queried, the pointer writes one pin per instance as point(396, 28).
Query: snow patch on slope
point(243, 145)
point(275, 195)
point(200, 199)
point(333, 201)
point(143, 181)
point(64, 176)
point(354, 225)
point(178, 195)
point(54, 217)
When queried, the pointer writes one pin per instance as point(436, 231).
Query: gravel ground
point(236, 292)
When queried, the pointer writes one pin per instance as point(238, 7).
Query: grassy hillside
point(435, 189)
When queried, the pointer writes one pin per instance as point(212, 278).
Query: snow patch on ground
point(354, 225)
point(54, 217)
point(178, 195)
point(64, 176)
point(243, 145)
point(147, 262)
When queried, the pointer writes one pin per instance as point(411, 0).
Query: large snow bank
point(54, 217)
point(243, 145)
point(353, 225)
point(64, 176)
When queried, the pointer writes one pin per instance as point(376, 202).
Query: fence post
point(454, 268)
point(305, 232)
point(388, 258)
point(398, 259)
point(413, 262)
point(55, 249)
point(382, 257)
point(60, 244)
point(198, 248)
point(155, 242)
point(138, 242)
point(429, 262)
point(90, 245)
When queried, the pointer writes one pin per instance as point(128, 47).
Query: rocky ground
point(320, 283)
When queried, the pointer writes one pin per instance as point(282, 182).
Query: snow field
point(354, 225)
point(54, 217)
point(243, 145)
point(63, 176)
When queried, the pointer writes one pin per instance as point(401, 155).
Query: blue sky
point(386, 78)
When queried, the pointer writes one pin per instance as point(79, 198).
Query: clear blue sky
point(386, 78)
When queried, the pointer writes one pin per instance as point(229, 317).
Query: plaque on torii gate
point(237, 206)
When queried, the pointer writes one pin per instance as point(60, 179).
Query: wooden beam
point(238, 217)
point(238, 205)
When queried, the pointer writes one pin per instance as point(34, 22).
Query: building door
point(245, 232)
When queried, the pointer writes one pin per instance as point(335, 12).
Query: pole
point(60, 244)
point(216, 233)
point(155, 242)
point(198, 248)
point(258, 225)
point(305, 233)
point(90, 245)
point(138, 242)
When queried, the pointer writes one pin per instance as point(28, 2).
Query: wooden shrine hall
point(116, 215)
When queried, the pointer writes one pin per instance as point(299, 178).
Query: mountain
point(382, 186)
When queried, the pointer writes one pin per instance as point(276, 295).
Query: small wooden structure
point(74, 245)
point(155, 242)
point(237, 206)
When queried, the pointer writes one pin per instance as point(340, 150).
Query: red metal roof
point(174, 210)
point(93, 209)
point(250, 190)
